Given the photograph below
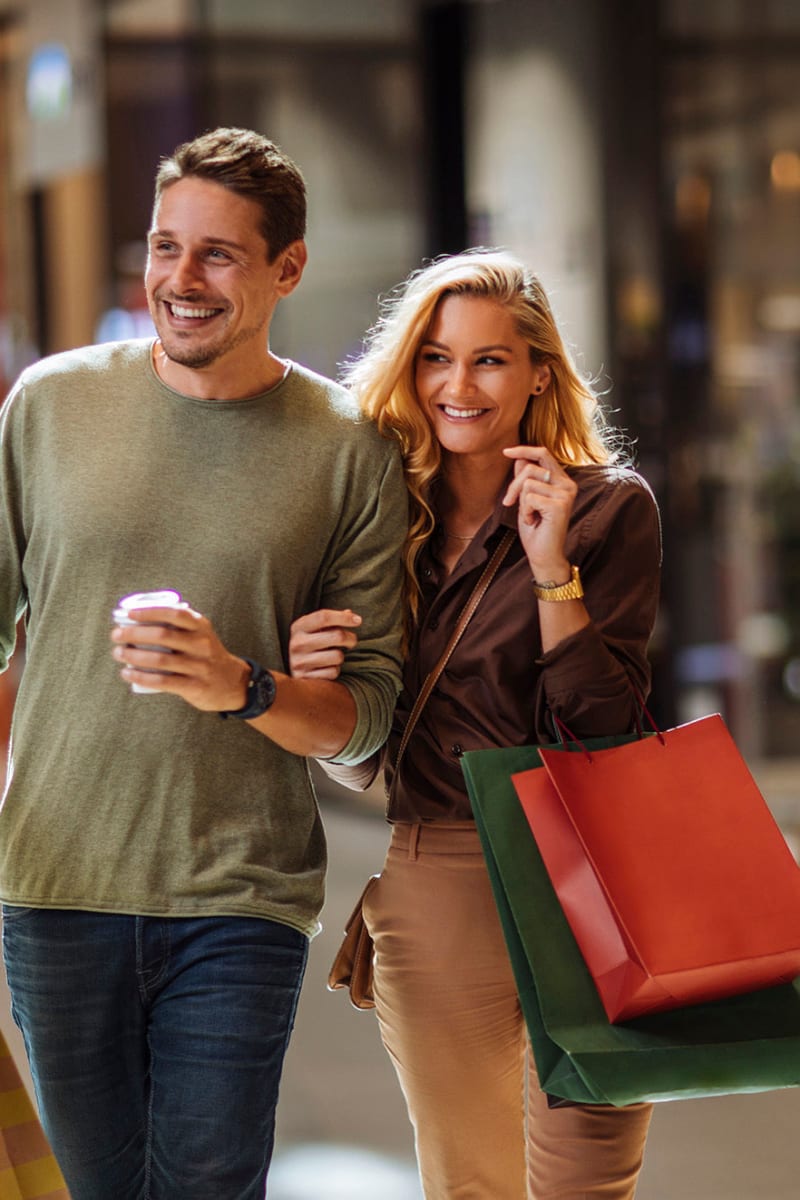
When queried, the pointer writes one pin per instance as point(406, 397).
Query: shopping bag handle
point(565, 734)
point(644, 709)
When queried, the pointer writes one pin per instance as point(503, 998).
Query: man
point(161, 868)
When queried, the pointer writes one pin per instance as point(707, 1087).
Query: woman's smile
point(462, 414)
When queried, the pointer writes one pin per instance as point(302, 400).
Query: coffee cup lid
point(164, 599)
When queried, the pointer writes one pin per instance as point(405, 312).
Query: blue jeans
point(156, 1046)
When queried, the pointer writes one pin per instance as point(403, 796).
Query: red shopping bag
point(675, 879)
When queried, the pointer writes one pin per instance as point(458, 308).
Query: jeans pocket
point(15, 912)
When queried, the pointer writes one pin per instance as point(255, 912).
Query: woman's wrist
point(552, 574)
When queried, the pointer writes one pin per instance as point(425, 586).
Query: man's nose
point(186, 275)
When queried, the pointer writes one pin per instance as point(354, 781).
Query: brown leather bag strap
point(467, 612)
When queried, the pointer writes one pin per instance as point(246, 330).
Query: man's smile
point(190, 313)
point(179, 310)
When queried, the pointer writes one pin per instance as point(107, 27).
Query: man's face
point(210, 286)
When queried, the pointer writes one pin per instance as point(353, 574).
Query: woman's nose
point(461, 381)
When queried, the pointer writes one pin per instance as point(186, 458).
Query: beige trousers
point(451, 1022)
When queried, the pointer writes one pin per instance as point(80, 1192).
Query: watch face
point(263, 690)
point(260, 694)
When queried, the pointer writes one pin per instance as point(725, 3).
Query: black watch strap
point(260, 693)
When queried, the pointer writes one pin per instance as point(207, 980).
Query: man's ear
point(293, 261)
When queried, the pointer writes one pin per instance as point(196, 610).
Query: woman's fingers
point(531, 464)
point(540, 485)
point(319, 641)
point(326, 618)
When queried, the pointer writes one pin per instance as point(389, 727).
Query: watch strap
point(254, 704)
point(571, 590)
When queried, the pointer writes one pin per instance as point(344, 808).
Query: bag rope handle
point(565, 734)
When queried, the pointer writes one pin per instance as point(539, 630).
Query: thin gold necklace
point(459, 537)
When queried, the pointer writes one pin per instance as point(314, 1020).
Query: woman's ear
point(542, 378)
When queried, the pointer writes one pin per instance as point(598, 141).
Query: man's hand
point(177, 651)
point(313, 717)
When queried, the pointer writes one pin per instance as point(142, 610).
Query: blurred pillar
point(535, 154)
point(75, 267)
point(444, 40)
point(635, 246)
point(57, 164)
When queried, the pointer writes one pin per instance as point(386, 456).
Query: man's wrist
point(238, 695)
point(259, 692)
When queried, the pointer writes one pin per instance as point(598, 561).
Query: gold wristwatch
point(560, 591)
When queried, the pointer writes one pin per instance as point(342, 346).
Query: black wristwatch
point(260, 693)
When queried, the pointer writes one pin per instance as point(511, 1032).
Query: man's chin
point(193, 357)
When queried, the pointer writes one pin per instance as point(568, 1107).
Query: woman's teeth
point(462, 414)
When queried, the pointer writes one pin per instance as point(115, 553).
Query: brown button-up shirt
point(498, 688)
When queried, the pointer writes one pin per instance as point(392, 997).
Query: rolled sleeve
point(592, 680)
point(12, 591)
point(368, 578)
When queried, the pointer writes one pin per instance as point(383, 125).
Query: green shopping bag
point(748, 1043)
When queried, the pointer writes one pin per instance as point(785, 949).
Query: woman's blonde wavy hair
point(565, 417)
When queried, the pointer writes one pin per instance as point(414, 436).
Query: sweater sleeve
point(367, 578)
point(12, 591)
point(588, 679)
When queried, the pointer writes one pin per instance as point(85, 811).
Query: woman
point(468, 370)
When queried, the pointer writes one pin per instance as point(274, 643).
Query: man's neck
point(219, 381)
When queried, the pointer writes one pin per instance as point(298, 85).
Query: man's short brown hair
point(251, 165)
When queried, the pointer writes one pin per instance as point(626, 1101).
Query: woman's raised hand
point(545, 494)
point(319, 641)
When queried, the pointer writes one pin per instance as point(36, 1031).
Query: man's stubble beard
point(199, 357)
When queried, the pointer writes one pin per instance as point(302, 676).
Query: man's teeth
point(462, 413)
point(179, 311)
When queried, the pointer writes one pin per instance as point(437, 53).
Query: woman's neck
point(469, 491)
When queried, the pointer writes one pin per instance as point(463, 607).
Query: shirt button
point(426, 572)
point(433, 625)
point(457, 749)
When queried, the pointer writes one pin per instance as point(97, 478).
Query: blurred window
point(732, 172)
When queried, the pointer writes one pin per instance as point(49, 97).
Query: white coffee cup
point(163, 599)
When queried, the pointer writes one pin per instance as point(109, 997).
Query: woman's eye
point(432, 356)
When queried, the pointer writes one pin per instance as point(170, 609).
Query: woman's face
point(473, 376)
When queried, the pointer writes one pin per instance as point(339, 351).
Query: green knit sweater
point(257, 511)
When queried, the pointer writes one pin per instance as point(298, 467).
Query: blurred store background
point(644, 157)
